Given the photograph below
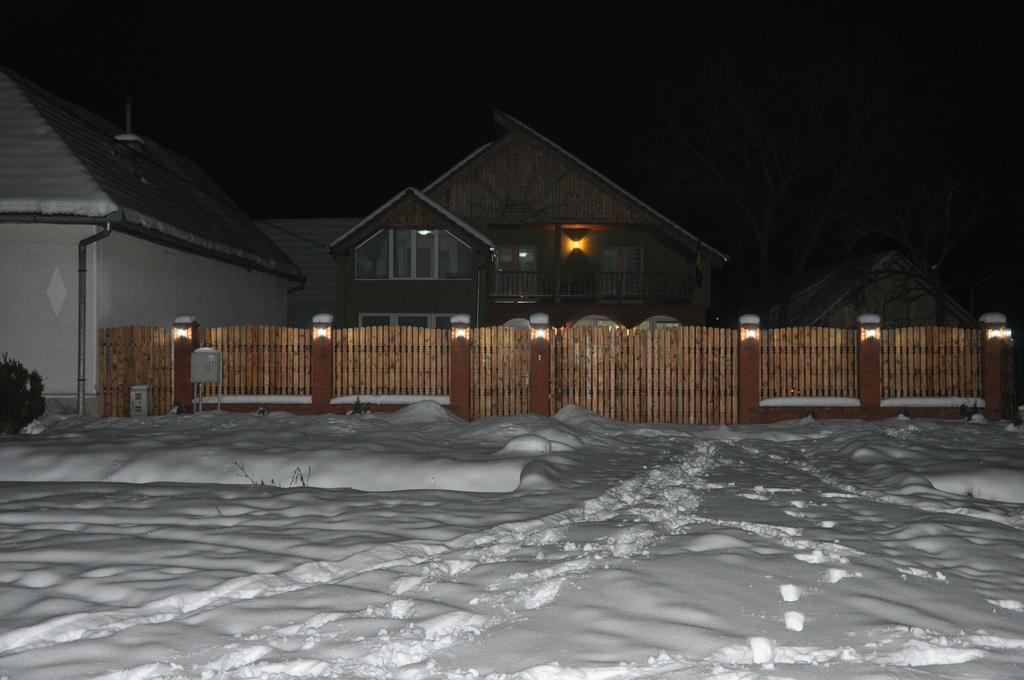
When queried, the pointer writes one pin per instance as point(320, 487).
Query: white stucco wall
point(130, 282)
point(39, 329)
point(142, 283)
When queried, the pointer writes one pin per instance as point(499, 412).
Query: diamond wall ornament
point(57, 292)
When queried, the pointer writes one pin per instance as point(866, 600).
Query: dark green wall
point(420, 295)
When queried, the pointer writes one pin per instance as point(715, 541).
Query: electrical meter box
point(138, 400)
point(206, 365)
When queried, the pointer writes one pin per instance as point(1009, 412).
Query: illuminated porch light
point(424, 232)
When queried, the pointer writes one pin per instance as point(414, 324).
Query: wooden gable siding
point(519, 181)
point(408, 211)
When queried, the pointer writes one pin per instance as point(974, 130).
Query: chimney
point(129, 141)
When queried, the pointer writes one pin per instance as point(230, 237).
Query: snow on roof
point(432, 204)
point(504, 119)
point(39, 174)
point(57, 158)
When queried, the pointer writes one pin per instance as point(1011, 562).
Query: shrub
point(21, 396)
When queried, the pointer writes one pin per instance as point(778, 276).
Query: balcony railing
point(620, 286)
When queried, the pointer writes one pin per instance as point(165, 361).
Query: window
point(517, 258)
point(420, 320)
point(413, 254)
point(372, 257)
point(621, 260)
point(620, 270)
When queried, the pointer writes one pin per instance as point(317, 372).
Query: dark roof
point(821, 290)
point(305, 241)
point(158, 194)
point(509, 123)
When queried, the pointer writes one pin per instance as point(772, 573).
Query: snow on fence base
point(258, 399)
point(442, 399)
point(683, 375)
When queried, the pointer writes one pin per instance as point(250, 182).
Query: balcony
point(610, 286)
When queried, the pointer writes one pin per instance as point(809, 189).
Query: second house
point(521, 226)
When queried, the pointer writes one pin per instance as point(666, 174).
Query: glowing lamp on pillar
point(460, 327)
point(539, 324)
point(183, 324)
point(870, 327)
point(750, 327)
point(322, 324)
point(995, 326)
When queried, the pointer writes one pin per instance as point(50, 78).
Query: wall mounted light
point(322, 324)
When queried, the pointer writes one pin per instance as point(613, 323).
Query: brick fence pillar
point(460, 361)
point(749, 369)
point(321, 363)
point(540, 364)
point(184, 340)
point(994, 340)
point(869, 361)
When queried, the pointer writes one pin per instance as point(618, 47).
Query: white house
point(102, 228)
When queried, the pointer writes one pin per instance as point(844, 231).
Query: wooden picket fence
point(685, 375)
point(931, 362)
point(675, 375)
point(260, 359)
point(500, 372)
point(808, 361)
point(134, 355)
point(391, 360)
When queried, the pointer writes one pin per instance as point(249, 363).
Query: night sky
point(328, 109)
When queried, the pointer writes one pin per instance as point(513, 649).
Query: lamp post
point(460, 365)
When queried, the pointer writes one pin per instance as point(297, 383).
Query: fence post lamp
point(321, 363)
point(322, 324)
point(869, 361)
point(460, 327)
point(870, 327)
point(996, 342)
point(460, 364)
point(184, 339)
point(540, 364)
point(749, 369)
point(539, 326)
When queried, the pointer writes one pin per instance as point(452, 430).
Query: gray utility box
point(206, 365)
point(138, 400)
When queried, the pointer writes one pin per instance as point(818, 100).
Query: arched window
point(658, 321)
point(595, 321)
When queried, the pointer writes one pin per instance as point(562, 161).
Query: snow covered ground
point(415, 545)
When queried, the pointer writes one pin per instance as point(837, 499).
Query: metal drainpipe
point(479, 273)
point(82, 245)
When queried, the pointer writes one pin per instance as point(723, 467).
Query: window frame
point(435, 253)
point(620, 250)
point(506, 246)
point(432, 317)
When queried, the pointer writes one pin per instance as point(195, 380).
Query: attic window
point(413, 254)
